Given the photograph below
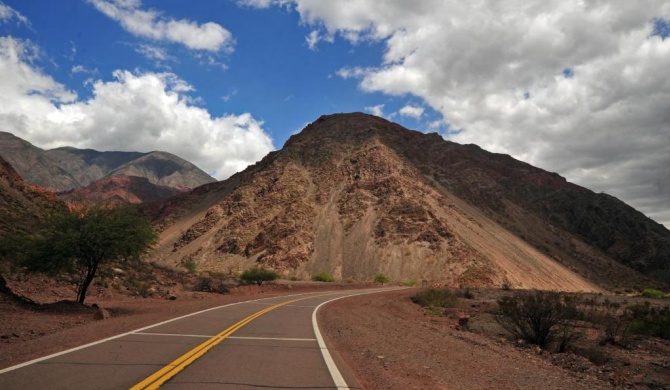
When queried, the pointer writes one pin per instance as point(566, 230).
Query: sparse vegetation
point(435, 298)
point(535, 317)
point(323, 277)
point(190, 266)
point(408, 283)
point(651, 293)
point(210, 284)
point(650, 321)
point(258, 275)
point(381, 279)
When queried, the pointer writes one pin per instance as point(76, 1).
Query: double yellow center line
point(164, 374)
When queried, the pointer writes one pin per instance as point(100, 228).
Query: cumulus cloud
point(152, 25)
point(8, 13)
point(132, 112)
point(581, 88)
point(377, 110)
point(411, 111)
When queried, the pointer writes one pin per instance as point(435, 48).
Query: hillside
point(355, 195)
point(68, 168)
point(119, 189)
point(21, 205)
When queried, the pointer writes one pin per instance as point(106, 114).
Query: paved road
point(268, 343)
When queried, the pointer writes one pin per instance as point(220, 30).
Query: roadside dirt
point(391, 343)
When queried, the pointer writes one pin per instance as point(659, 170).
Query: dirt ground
point(392, 343)
point(387, 341)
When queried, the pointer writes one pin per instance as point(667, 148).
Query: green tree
point(258, 275)
point(81, 240)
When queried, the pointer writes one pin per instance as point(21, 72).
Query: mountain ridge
point(68, 169)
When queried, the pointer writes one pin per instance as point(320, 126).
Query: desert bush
point(408, 283)
point(651, 293)
point(323, 277)
point(434, 297)
point(596, 355)
point(614, 321)
point(293, 278)
point(535, 317)
point(381, 279)
point(190, 266)
point(209, 284)
point(258, 275)
point(650, 321)
point(349, 280)
point(467, 294)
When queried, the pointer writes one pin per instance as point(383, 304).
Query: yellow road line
point(164, 374)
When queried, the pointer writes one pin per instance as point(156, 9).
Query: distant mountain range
point(356, 195)
point(83, 172)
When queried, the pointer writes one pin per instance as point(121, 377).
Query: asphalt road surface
point(271, 343)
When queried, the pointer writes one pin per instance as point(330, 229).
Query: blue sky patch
point(661, 28)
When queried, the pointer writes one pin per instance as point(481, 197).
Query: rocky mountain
point(118, 189)
point(356, 195)
point(21, 204)
point(68, 168)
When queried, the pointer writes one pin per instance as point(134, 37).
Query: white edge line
point(21, 365)
point(340, 383)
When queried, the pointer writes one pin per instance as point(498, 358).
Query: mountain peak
point(355, 195)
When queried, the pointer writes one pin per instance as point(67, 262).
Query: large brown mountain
point(355, 195)
point(68, 168)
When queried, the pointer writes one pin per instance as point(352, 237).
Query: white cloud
point(377, 110)
point(495, 70)
point(132, 112)
point(151, 24)
point(411, 111)
point(8, 13)
point(78, 69)
point(312, 39)
point(154, 53)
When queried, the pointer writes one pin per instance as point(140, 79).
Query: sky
point(577, 87)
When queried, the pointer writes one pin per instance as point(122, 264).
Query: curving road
point(271, 343)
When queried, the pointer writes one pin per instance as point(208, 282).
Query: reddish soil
point(391, 343)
